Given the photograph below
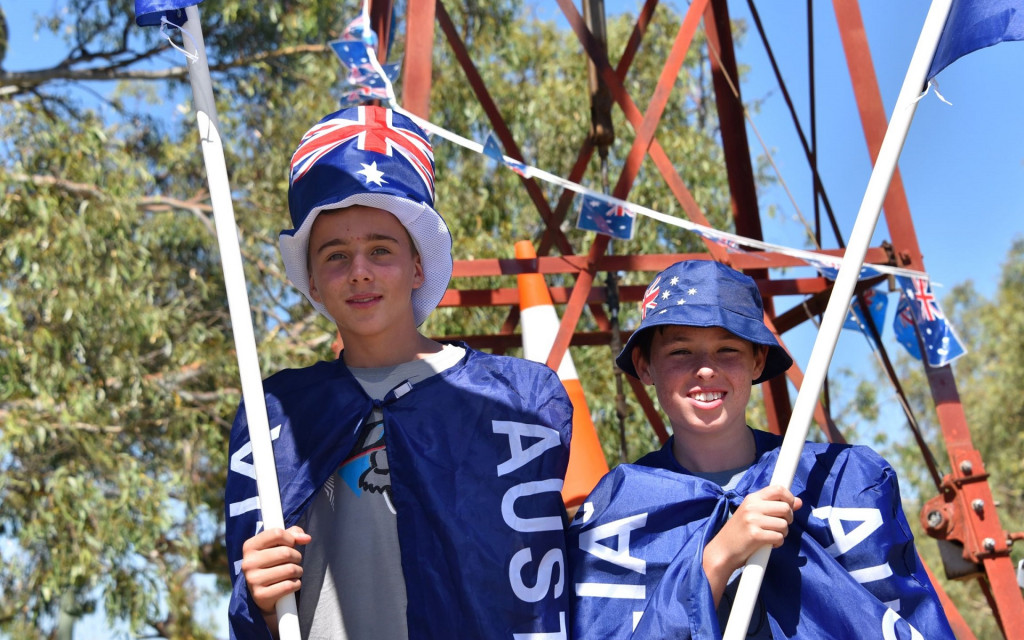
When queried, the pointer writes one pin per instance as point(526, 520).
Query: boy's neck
point(711, 452)
point(364, 352)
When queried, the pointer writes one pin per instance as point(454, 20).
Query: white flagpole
point(238, 303)
point(839, 301)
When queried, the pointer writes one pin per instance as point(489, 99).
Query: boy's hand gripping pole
point(839, 301)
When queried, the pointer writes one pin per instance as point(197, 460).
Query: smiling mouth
point(708, 396)
point(363, 299)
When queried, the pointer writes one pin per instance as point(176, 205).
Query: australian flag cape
point(847, 569)
point(477, 456)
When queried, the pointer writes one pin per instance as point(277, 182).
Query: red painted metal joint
point(957, 521)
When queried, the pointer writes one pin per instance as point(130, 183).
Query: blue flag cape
point(477, 456)
point(636, 550)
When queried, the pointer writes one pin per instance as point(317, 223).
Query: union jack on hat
point(704, 293)
point(374, 157)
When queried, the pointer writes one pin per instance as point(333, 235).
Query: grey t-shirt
point(352, 582)
point(759, 628)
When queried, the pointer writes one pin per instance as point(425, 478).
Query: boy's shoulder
point(507, 367)
point(288, 381)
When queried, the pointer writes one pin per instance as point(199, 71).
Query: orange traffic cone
point(540, 326)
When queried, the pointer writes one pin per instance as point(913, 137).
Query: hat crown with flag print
point(704, 293)
point(374, 157)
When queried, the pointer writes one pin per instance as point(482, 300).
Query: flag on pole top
point(149, 13)
point(976, 24)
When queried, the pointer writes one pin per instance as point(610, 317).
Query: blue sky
point(962, 165)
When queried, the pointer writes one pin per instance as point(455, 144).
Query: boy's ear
point(313, 292)
point(642, 366)
point(418, 277)
point(760, 359)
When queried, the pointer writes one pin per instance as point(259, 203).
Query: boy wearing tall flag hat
point(420, 481)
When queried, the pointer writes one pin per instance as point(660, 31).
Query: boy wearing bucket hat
point(420, 481)
point(656, 548)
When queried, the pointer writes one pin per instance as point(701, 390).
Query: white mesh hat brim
point(425, 226)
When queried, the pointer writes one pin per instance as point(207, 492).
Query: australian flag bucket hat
point(704, 293)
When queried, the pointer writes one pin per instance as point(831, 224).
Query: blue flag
point(919, 307)
point(476, 454)
point(876, 302)
point(607, 217)
point(149, 12)
point(976, 24)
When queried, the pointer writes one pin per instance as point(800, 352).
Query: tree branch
point(16, 82)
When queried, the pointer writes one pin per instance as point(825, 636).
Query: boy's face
point(702, 376)
point(363, 269)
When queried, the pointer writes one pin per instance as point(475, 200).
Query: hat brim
point(750, 329)
point(425, 226)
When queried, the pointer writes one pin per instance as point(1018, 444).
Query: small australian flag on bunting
point(919, 306)
point(607, 217)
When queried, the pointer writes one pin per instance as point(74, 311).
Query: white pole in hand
point(839, 302)
point(238, 304)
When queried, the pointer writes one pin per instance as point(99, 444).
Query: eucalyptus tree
point(117, 377)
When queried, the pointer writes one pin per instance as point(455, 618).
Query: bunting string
point(812, 258)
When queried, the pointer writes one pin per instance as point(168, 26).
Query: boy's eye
point(380, 251)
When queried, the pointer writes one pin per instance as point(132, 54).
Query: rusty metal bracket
point(954, 520)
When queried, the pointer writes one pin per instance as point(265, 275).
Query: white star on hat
point(372, 174)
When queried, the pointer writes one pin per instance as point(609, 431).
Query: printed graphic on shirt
point(366, 469)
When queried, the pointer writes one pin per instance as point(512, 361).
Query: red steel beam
point(652, 262)
point(509, 296)
point(417, 67)
point(742, 189)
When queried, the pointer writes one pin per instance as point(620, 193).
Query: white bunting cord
point(238, 304)
point(839, 301)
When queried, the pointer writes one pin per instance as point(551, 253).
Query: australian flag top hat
point(374, 157)
point(704, 293)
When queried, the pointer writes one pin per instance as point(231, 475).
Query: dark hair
point(645, 339)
